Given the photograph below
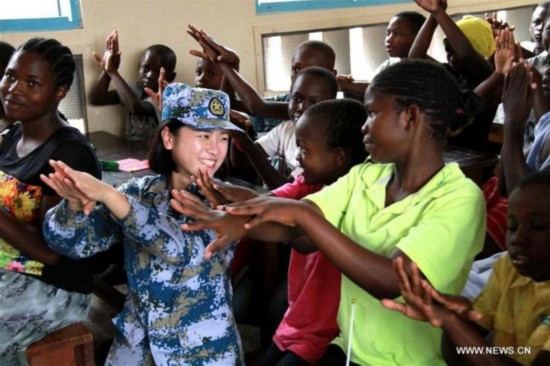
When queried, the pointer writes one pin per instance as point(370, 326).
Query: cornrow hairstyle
point(340, 121)
point(6, 50)
point(321, 47)
point(430, 87)
point(539, 178)
point(328, 78)
point(58, 56)
point(415, 19)
point(166, 53)
point(160, 159)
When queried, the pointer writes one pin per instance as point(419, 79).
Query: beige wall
point(232, 22)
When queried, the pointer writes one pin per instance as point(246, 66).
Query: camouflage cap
point(201, 109)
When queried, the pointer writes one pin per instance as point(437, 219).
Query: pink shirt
point(309, 323)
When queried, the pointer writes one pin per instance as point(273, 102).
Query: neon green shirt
point(441, 228)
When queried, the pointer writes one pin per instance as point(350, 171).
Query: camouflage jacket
point(177, 301)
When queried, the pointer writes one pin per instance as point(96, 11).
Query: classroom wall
point(232, 22)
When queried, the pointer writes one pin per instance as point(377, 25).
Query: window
point(275, 6)
point(359, 50)
point(36, 15)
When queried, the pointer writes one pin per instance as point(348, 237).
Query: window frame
point(308, 5)
point(44, 24)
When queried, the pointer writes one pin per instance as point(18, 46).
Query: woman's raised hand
point(63, 182)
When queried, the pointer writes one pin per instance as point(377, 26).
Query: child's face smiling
point(316, 159)
point(399, 37)
point(28, 88)
point(306, 91)
point(207, 75)
point(194, 150)
point(528, 236)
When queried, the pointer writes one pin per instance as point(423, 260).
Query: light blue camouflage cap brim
point(199, 108)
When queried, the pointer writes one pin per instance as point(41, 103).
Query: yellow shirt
point(517, 310)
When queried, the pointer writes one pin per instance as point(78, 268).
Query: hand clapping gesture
point(111, 55)
point(211, 50)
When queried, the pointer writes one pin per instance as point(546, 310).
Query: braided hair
point(432, 89)
point(340, 121)
point(58, 56)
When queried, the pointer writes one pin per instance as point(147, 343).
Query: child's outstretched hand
point(221, 193)
point(111, 55)
point(157, 97)
point(212, 50)
point(506, 51)
point(419, 298)
point(228, 228)
point(269, 209)
point(518, 95)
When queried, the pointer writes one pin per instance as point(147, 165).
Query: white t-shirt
point(281, 141)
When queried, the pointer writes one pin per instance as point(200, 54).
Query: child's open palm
point(227, 228)
point(518, 94)
point(432, 6)
point(506, 51)
point(212, 50)
point(419, 296)
point(111, 55)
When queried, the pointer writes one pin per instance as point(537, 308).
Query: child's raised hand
point(432, 6)
point(206, 185)
point(110, 61)
point(518, 94)
point(505, 53)
point(496, 24)
point(228, 228)
point(212, 50)
point(157, 97)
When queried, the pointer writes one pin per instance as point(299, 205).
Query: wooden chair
point(68, 346)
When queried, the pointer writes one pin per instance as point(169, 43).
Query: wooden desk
point(473, 163)
point(111, 147)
